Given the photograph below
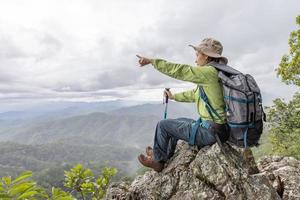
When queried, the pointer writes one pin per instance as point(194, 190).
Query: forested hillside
point(111, 138)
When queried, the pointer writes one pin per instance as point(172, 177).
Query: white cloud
point(73, 50)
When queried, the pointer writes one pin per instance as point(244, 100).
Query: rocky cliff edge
point(213, 174)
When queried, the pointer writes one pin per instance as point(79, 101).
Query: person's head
point(209, 50)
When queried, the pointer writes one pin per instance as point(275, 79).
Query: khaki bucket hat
point(212, 48)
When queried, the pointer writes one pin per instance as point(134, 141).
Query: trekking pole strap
point(166, 111)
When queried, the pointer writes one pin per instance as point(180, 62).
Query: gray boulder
point(205, 174)
point(283, 173)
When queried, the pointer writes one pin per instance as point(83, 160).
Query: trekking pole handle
point(167, 97)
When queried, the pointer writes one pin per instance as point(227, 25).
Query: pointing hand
point(143, 60)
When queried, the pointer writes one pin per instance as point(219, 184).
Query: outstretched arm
point(182, 72)
point(197, 75)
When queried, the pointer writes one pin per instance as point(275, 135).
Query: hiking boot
point(149, 152)
point(157, 166)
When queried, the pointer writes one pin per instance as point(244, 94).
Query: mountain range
point(106, 133)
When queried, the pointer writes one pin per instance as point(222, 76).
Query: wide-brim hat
point(212, 48)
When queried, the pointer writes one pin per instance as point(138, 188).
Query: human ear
point(206, 57)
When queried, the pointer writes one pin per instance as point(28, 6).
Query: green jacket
point(205, 76)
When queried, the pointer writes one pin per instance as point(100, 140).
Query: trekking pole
point(166, 101)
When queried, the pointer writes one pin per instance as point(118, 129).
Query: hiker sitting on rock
point(201, 132)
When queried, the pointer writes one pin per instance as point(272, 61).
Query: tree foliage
point(78, 179)
point(20, 188)
point(285, 126)
point(289, 67)
point(84, 182)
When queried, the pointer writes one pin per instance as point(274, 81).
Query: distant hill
point(47, 144)
point(57, 110)
point(94, 129)
point(133, 125)
point(49, 161)
point(175, 110)
point(36, 157)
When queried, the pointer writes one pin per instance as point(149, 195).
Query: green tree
point(58, 194)
point(289, 67)
point(78, 179)
point(284, 117)
point(84, 182)
point(285, 126)
point(20, 188)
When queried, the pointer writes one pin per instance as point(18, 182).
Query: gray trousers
point(169, 131)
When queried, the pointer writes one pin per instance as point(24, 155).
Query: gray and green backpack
point(244, 110)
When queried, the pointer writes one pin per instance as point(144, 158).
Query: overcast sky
point(84, 50)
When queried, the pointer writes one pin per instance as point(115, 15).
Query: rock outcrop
point(283, 173)
point(205, 174)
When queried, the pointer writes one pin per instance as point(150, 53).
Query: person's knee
point(163, 123)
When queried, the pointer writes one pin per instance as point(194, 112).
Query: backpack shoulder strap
point(211, 111)
point(224, 68)
point(208, 107)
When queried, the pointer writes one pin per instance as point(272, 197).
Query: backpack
point(243, 106)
